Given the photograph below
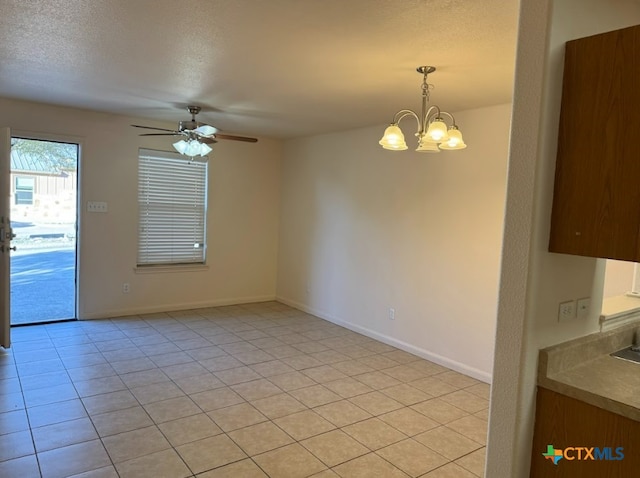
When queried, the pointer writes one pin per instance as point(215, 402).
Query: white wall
point(618, 277)
point(364, 230)
point(533, 281)
point(242, 214)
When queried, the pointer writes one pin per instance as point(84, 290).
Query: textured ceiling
point(278, 68)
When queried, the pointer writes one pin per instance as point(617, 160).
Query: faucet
point(635, 347)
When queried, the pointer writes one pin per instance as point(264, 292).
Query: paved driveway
point(42, 283)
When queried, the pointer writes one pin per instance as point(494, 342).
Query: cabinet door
point(596, 204)
point(564, 422)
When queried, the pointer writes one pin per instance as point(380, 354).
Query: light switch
point(583, 307)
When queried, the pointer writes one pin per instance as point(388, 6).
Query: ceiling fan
point(196, 136)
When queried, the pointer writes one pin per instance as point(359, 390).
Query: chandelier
point(433, 133)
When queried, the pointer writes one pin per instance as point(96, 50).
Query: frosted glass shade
point(393, 139)
point(455, 140)
point(437, 131)
point(192, 148)
point(426, 146)
point(180, 146)
point(204, 149)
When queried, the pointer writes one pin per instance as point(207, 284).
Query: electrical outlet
point(567, 310)
point(126, 288)
point(583, 307)
point(392, 314)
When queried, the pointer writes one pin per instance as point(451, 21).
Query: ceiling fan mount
point(190, 125)
point(194, 131)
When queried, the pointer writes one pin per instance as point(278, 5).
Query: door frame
point(79, 140)
point(5, 228)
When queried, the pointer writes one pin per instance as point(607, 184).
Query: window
point(172, 193)
point(24, 190)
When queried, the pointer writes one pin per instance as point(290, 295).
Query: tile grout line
point(282, 327)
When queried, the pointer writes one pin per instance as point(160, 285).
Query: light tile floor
point(239, 391)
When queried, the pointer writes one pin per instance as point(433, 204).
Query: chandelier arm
point(400, 115)
point(429, 114)
point(453, 120)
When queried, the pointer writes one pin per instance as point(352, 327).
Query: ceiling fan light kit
point(192, 148)
point(195, 135)
point(433, 133)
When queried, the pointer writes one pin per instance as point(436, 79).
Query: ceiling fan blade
point(161, 134)
point(205, 130)
point(236, 138)
point(157, 129)
point(205, 140)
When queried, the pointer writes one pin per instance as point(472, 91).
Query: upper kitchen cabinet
point(596, 202)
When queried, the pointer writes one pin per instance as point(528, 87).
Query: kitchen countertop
point(606, 382)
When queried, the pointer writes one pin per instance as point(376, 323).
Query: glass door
point(43, 206)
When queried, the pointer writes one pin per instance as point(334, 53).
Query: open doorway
point(44, 187)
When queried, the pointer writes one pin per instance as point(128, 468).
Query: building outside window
point(24, 190)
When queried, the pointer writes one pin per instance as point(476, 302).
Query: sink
point(631, 353)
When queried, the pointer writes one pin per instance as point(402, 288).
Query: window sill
point(175, 268)
point(619, 310)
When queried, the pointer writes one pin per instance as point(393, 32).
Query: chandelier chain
point(426, 87)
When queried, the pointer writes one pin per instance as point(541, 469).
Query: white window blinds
point(172, 194)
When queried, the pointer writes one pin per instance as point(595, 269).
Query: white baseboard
point(425, 354)
point(105, 314)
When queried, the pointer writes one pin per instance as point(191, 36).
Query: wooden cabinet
point(565, 422)
point(596, 203)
